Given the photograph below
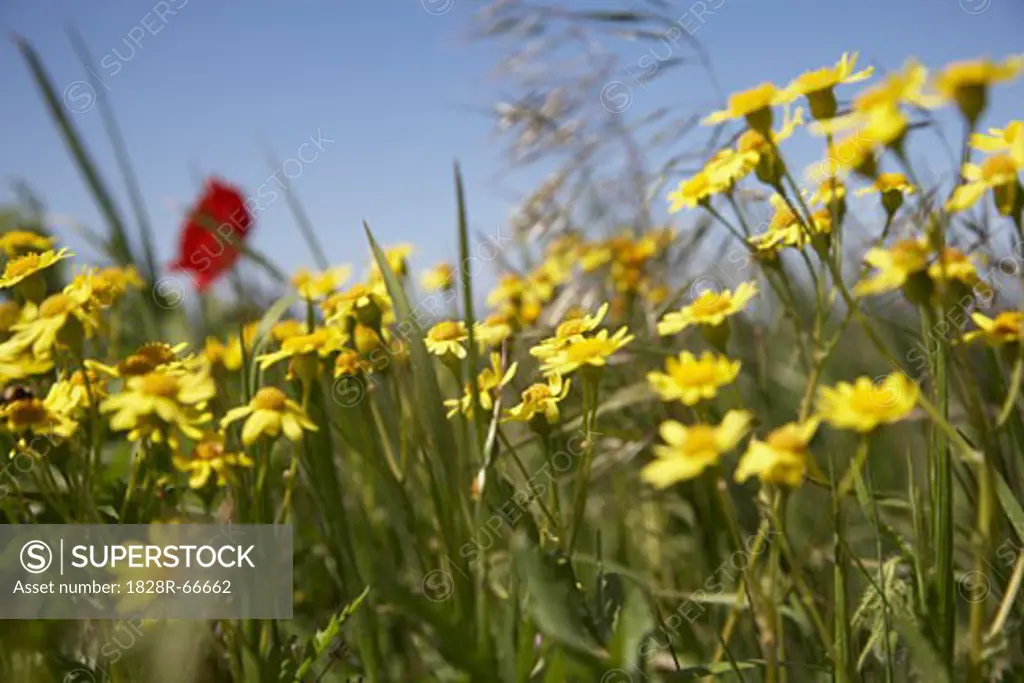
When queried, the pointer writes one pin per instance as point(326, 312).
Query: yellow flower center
point(700, 440)
point(878, 400)
point(446, 331)
point(156, 353)
point(135, 365)
point(160, 384)
point(997, 167)
point(347, 363)
point(537, 393)
point(56, 305)
point(695, 374)
point(1008, 324)
point(269, 398)
point(587, 349)
point(208, 450)
point(27, 413)
point(711, 303)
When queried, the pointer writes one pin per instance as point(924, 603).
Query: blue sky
point(393, 87)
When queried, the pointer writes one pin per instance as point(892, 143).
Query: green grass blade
point(120, 148)
point(121, 251)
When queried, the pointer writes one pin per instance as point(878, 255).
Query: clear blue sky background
point(393, 85)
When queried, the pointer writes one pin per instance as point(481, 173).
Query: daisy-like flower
point(439, 278)
point(690, 380)
point(753, 105)
point(781, 458)
point(831, 189)
point(367, 303)
point(348, 364)
point(999, 139)
point(321, 342)
point(998, 173)
point(228, 355)
point(710, 308)
point(1006, 328)
point(285, 329)
point(583, 351)
point(313, 286)
point(894, 266)
point(957, 267)
point(63, 319)
point(892, 187)
point(540, 399)
point(106, 286)
point(571, 328)
point(32, 415)
point(489, 382)
point(492, 332)
point(14, 243)
point(19, 269)
point(447, 338)
point(967, 83)
point(397, 258)
point(269, 413)
point(864, 405)
point(144, 360)
point(156, 404)
point(71, 396)
point(209, 458)
point(688, 451)
point(818, 85)
point(510, 288)
point(759, 152)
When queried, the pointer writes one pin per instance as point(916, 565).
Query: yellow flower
point(710, 308)
point(321, 342)
point(147, 358)
point(894, 266)
point(33, 415)
point(781, 458)
point(688, 451)
point(447, 338)
point(1006, 328)
point(1000, 139)
point(18, 269)
point(440, 277)
point(368, 303)
point(831, 189)
point(313, 286)
point(227, 355)
point(753, 105)
point(509, 289)
point(269, 413)
point(817, 86)
point(691, 380)
point(288, 328)
point(568, 330)
point(397, 258)
point(154, 404)
point(585, 351)
point(71, 396)
point(967, 83)
point(864, 405)
point(756, 151)
point(998, 173)
point(347, 363)
point(540, 399)
point(208, 457)
point(892, 187)
point(489, 383)
point(492, 332)
point(16, 242)
point(62, 319)
point(105, 286)
point(954, 265)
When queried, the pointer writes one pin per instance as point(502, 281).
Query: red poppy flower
point(208, 245)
